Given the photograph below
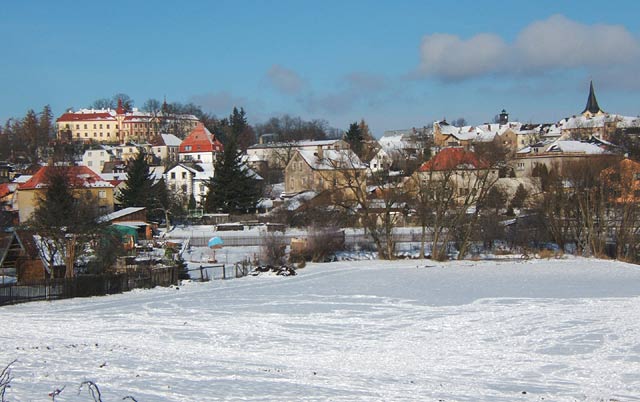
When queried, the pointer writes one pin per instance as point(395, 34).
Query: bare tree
point(378, 210)
point(274, 248)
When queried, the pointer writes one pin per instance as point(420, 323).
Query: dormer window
point(187, 148)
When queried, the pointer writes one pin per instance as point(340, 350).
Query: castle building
point(119, 125)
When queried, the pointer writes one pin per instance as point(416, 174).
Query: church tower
point(592, 108)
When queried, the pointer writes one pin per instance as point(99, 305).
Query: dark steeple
point(592, 103)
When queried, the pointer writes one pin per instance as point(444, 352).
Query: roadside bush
point(274, 249)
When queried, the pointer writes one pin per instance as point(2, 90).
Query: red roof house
point(453, 159)
point(200, 145)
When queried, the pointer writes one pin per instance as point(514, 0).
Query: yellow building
point(119, 126)
point(83, 181)
point(324, 169)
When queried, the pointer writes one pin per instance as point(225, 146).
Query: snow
point(121, 213)
point(559, 330)
point(568, 146)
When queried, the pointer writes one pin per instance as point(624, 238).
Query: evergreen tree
point(138, 189)
point(355, 138)
point(65, 221)
point(45, 126)
point(232, 189)
point(30, 132)
point(519, 197)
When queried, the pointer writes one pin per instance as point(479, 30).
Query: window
point(85, 126)
point(102, 194)
point(100, 126)
point(89, 153)
point(108, 126)
point(184, 175)
point(77, 126)
point(90, 163)
point(173, 175)
point(94, 127)
point(187, 148)
point(86, 134)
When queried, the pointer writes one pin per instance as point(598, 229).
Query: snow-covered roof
point(332, 159)
point(119, 214)
point(296, 201)
point(170, 140)
point(480, 133)
point(569, 146)
point(22, 178)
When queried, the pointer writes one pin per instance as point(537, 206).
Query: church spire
point(592, 107)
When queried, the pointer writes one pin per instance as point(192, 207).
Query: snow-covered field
point(559, 330)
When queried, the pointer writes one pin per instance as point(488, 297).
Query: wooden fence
point(88, 285)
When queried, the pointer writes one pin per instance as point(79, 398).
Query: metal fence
point(349, 239)
point(87, 285)
point(221, 271)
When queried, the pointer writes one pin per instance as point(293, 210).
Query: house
point(6, 172)
point(623, 181)
point(406, 145)
point(324, 169)
point(22, 256)
point(593, 121)
point(119, 125)
point(200, 146)
point(447, 135)
point(95, 157)
point(165, 147)
point(459, 167)
point(83, 182)
point(380, 162)
point(555, 155)
point(189, 179)
point(278, 154)
point(131, 217)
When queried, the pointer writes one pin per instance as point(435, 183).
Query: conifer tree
point(232, 189)
point(30, 132)
point(355, 139)
point(45, 126)
point(138, 189)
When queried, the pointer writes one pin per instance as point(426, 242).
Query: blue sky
point(397, 64)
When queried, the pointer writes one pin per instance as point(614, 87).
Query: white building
point(189, 180)
point(165, 147)
point(95, 159)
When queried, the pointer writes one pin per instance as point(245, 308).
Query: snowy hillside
point(559, 330)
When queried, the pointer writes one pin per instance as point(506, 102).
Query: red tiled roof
point(200, 140)
point(5, 190)
point(79, 176)
point(451, 159)
point(85, 116)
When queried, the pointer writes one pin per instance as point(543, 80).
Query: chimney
point(319, 152)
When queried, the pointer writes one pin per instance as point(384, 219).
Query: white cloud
point(449, 57)
point(554, 44)
point(285, 80)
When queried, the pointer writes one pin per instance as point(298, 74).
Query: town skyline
point(395, 66)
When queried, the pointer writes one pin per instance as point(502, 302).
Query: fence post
point(224, 272)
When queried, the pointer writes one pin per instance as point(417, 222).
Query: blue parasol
point(215, 242)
